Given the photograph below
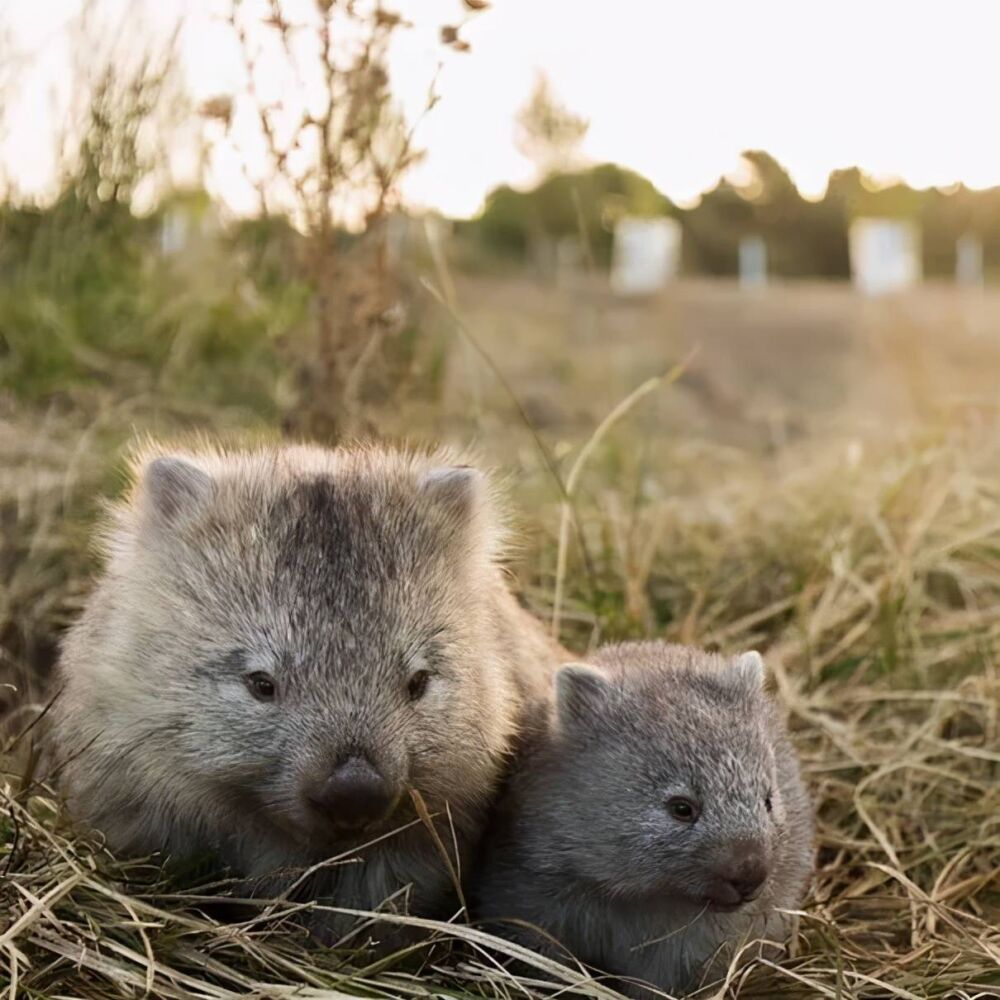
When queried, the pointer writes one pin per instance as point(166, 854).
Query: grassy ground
point(823, 483)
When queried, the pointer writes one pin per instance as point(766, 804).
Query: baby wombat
point(655, 822)
point(283, 644)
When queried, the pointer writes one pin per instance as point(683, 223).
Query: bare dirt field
point(764, 367)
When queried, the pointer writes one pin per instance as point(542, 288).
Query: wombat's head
point(667, 775)
point(299, 636)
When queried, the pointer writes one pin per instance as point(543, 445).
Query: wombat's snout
point(737, 878)
point(353, 795)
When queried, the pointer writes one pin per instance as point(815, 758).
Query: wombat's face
point(315, 650)
point(671, 783)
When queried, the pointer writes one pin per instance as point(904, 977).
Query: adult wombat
point(283, 643)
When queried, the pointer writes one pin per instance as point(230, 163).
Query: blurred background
point(715, 286)
point(731, 243)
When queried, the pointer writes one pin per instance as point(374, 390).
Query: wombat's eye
point(417, 684)
point(262, 686)
point(767, 802)
point(681, 809)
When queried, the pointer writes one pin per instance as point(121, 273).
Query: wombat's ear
point(580, 692)
point(174, 489)
point(458, 488)
point(749, 668)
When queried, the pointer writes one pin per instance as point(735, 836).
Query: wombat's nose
point(739, 879)
point(748, 884)
point(354, 795)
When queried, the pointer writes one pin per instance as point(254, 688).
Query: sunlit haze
point(674, 91)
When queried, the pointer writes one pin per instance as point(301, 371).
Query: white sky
point(673, 88)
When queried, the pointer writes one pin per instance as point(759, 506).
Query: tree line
point(804, 238)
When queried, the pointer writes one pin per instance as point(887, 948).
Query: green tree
point(583, 203)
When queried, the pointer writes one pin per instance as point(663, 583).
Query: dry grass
point(869, 575)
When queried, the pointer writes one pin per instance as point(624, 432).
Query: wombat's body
point(655, 822)
point(283, 644)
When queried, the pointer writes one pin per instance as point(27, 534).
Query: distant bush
point(88, 297)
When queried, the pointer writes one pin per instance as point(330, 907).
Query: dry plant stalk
point(335, 148)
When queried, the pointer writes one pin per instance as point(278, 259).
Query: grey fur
point(583, 847)
point(340, 573)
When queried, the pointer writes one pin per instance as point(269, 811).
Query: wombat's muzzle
point(738, 876)
point(353, 795)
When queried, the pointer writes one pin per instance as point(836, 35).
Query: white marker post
point(885, 255)
point(969, 261)
point(175, 231)
point(645, 255)
point(753, 262)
